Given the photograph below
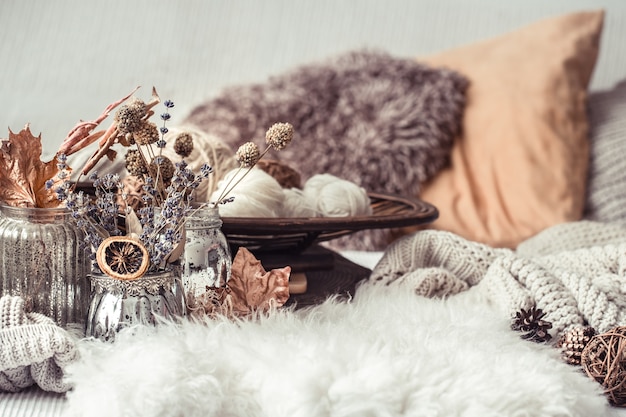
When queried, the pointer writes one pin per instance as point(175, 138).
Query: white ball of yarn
point(296, 204)
point(258, 194)
point(336, 197)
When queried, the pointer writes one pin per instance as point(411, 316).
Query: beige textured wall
point(65, 60)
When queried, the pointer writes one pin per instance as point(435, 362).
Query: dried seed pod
point(162, 168)
point(129, 117)
point(279, 135)
point(183, 145)
point(248, 154)
point(135, 165)
point(146, 133)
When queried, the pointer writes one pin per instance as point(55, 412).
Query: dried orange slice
point(123, 257)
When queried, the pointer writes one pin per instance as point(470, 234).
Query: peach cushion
point(520, 164)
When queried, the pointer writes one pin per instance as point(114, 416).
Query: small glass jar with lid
point(206, 261)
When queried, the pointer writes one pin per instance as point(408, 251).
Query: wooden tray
point(297, 233)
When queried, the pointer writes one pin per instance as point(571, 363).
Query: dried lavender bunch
point(97, 216)
point(163, 224)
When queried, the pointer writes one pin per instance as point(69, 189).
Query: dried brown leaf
point(23, 175)
point(254, 289)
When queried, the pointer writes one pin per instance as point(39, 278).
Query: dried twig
point(80, 136)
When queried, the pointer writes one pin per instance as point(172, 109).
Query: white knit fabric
point(435, 263)
point(33, 349)
point(570, 236)
point(575, 272)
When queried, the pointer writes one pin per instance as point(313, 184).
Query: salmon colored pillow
point(520, 164)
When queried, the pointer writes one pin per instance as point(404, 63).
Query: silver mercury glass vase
point(42, 260)
point(116, 304)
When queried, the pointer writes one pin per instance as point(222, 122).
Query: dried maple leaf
point(254, 289)
point(23, 175)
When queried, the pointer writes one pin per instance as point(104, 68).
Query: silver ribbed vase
point(116, 304)
point(42, 261)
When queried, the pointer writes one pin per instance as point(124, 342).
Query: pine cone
point(530, 323)
point(573, 342)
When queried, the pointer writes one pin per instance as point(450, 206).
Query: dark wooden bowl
point(297, 233)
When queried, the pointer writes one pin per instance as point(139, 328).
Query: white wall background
point(65, 60)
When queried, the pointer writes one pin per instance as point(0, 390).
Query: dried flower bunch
point(124, 242)
point(127, 243)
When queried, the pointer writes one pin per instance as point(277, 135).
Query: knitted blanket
point(574, 272)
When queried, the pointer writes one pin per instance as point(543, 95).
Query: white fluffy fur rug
point(386, 353)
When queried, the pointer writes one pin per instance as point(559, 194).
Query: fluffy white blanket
point(387, 352)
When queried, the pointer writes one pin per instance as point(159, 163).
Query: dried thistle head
point(248, 154)
point(183, 145)
point(279, 135)
point(129, 116)
point(146, 133)
point(162, 167)
point(135, 164)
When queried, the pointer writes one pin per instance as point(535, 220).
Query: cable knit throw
point(33, 349)
point(574, 272)
point(382, 122)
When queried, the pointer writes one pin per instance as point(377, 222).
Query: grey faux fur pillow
point(384, 123)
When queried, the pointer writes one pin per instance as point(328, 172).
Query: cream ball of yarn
point(296, 204)
point(257, 194)
point(336, 197)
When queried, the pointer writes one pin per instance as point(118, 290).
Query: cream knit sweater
point(575, 272)
point(33, 349)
